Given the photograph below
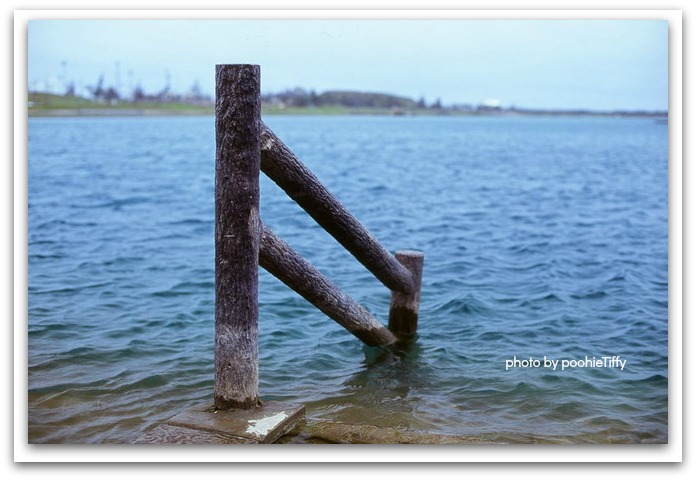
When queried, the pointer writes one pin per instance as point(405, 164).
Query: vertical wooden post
point(403, 310)
point(237, 235)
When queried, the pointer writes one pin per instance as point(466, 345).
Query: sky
point(556, 64)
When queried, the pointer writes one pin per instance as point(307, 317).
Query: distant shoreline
point(308, 111)
point(336, 103)
point(115, 112)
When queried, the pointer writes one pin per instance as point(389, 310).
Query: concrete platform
point(203, 425)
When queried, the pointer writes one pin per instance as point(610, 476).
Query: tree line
point(300, 97)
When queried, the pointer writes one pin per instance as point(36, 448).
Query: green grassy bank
point(46, 104)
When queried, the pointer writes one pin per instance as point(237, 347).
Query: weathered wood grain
point(281, 261)
point(285, 169)
point(237, 232)
point(403, 309)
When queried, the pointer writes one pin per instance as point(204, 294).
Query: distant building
point(490, 105)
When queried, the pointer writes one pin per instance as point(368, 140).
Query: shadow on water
point(406, 350)
point(400, 366)
point(385, 391)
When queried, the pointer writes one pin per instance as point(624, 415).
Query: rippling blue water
point(542, 236)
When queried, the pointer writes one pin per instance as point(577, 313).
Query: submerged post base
point(203, 425)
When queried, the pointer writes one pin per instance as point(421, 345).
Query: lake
point(543, 237)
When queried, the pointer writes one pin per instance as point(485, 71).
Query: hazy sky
point(595, 64)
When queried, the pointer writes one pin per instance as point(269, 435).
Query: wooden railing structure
point(244, 147)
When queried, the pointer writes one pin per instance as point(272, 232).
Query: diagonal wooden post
point(237, 235)
point(288, 266)
point(286, 170)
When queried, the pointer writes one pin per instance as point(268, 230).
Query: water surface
point(542, 237)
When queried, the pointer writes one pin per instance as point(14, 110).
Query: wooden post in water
point(288, 266)
point(403, 309)
point(237, 235)
point(286, 170)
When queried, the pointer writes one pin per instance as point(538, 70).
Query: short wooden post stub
point(403, 309)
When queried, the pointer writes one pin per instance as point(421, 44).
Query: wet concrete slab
point(204, 425)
